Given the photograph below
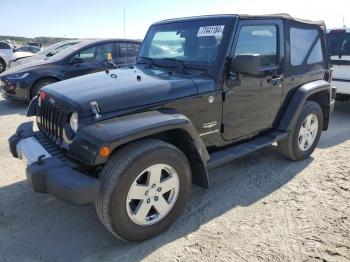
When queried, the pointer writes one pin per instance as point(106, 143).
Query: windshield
point(68, 51)
point(195, 42)
point(338, 42)
point(58, 47)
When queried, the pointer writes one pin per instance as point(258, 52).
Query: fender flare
point(32, 108)
point(119, 131)
point(295, 106)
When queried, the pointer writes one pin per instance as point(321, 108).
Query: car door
point(127, 53)
point(92, 59)
point(252, 102)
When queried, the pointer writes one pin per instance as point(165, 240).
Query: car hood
point(121, 89)
point(25, 68)
point(20, 54)
point(26, 60)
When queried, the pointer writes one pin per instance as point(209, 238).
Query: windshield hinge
point(223, 96)
point(222, 128)
point(96, 110)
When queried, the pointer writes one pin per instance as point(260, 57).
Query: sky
point(104, 18)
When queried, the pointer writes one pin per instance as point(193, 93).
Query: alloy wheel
point(308, 132)
point(153, 194)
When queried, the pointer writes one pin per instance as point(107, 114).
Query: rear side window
point(259, 40)
point(338, 42)
point(305, 46)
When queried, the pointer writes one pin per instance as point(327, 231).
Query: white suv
point(8, 53)
point(339, 51)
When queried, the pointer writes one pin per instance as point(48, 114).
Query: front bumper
point(48, 173)
point(343, 86)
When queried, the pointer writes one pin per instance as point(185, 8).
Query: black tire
point(119, 173)
point(2, 66)
point(289, 147)
point(34, 91)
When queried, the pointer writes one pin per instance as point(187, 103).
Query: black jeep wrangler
point(203, 91)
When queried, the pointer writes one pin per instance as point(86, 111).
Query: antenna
point(344, 22)
point(124, 39)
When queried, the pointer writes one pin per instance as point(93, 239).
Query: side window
point(4, 46)
point(96, 54)
point(338, 42)
point(128, 49)
point(261, 40)
point(301, 43)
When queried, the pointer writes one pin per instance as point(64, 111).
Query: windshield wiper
point(149, 61)
point(180, 64)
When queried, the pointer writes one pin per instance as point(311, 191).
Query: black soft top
point(244, 16)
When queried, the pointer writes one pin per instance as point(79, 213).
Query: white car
point(8, 53)
point(339, 51)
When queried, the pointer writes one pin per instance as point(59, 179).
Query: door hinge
point(222, 128)
point(223, 94)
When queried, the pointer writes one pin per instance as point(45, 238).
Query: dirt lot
point(259, 208)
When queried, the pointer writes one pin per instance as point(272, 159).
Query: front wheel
point(303, 139)
point(144, 188)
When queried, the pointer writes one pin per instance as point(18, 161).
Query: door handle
point(276, 79)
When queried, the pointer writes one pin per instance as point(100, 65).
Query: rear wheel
point(144, 188)
point(2, 66)
point(303, 139)
point(40, 84)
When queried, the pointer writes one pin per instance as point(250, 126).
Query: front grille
point(52, 119)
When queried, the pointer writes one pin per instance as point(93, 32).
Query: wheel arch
point(41, 79)
point(3, 59)
point(182, 140)
point(323, 99)
point(173, 128)
point(319, 91)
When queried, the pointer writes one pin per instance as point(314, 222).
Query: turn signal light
point(105, 151)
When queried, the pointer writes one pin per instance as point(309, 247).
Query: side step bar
point(224, 156)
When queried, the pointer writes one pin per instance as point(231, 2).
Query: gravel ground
point(258, 208)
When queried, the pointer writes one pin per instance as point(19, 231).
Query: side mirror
point(76, 60)
point(246, 64)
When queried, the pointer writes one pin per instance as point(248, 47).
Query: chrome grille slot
point(53, 116)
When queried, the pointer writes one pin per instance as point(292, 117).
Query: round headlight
point(73, 122)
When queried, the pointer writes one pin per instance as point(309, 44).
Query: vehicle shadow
point(38, 227)
point(339, 126)
point(12, 107)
